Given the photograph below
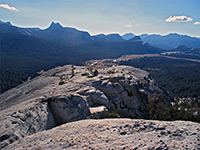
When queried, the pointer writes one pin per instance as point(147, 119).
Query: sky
point(107, 16)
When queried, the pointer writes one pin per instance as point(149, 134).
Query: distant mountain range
point(73, 36)
point(108, 38)
point(25, 51)
point(57, 34)
point(54, 32)
point(169, 41)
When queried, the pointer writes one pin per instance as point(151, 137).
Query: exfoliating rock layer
point(71, 93)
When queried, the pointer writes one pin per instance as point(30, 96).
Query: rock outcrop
point(58, 96)
point(115, 134)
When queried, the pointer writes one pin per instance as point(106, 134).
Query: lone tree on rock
point(96, 73)
point(73, 68)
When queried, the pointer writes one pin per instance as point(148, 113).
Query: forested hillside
point(178, 77)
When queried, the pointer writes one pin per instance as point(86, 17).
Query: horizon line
point(98, 33)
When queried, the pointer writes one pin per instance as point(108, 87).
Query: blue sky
point(107, 16)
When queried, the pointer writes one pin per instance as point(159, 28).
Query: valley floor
point(109, 62)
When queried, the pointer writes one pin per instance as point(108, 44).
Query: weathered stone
point(41, 103)
point(99, 98)
point(115, 134)
point(66, 109)
point(98, 112)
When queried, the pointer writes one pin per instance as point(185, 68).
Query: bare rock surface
point(63, 95)
point(115, 134)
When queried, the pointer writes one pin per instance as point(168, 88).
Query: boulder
point(68, 108)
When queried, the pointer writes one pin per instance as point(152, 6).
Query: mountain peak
point(173, 35)
point(128, 36)
point(55, 26)
point(135, 38)
point(7, 23)
point(114, 37)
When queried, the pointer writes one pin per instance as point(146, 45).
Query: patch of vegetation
point(181, 109)
point(96, 73)
point(93, 74)
point(112, 114)
point(130, 91)
point(90, 76)
point(73, 68)
point(111, 71)
point(85, 74)
point(61, 81)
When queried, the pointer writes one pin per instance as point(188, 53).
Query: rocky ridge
point(65, 94)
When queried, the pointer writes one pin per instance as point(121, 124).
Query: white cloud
point(178, 19)
point(128, 25)
point(197, 23)
point(6, 6)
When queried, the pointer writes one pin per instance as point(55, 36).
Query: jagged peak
point(7, 23)
point(55, 25)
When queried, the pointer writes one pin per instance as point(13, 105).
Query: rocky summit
point(71, 93)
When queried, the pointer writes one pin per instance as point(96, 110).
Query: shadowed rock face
point(67, 109)
point(45, 102)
